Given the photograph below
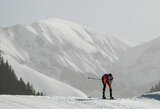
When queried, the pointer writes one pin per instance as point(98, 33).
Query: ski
point(89, 99)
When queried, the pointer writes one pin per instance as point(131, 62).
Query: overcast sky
point(135, 20)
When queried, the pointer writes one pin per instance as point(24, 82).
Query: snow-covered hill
point(48, 85)
point(140, 68)
point(46, 102)
point(53, 50)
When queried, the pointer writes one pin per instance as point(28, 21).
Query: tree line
point(10, 84)
point(155, 88)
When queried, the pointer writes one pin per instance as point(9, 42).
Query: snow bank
point(155, 95)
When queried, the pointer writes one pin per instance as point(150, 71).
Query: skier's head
point(110, 77)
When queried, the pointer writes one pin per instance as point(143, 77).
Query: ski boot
point(103, 97)
point(112, 98)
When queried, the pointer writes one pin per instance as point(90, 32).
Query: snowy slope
point(141, 67)
point(31, 102)
point(48, 85)
point(61, 50)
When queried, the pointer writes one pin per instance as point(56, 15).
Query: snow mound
point(155, 96)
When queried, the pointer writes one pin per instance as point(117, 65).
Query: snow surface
point(46, 102)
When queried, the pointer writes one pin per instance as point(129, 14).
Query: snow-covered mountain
point(53, 50)
point(139, 67)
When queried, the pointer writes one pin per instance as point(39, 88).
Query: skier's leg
point(111, 97)
point(110, 90)
point(104, 88)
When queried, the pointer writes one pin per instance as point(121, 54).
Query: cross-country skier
point(107, 79)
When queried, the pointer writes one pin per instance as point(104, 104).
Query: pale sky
point(134, 20)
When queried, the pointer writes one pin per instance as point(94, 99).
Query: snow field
point(46, 102)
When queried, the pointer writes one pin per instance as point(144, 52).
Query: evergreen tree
point(155, 88)
point(9, 83)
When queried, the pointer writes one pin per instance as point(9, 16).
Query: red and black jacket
point(106, 79)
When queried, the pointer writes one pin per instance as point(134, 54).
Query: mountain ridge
point(62, 51)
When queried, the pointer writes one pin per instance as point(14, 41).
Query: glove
point(110, 82)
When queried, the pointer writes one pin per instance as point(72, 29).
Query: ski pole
point(94, 78)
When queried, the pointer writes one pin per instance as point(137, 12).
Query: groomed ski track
point(46, 102)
